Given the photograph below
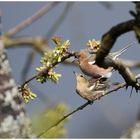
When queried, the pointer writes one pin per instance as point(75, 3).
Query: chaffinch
point(92, 69)
point(88, 66)
point(90, 89)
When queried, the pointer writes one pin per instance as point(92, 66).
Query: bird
point(88, 66)
point(90, 89)
point(92, 69)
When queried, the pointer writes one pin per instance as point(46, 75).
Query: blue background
point(106, 118)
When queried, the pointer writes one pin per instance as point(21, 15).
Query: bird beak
point(75, 61)
point(75, 73)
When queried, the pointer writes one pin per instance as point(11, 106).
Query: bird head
point(79, 56)
point(82, 55)
point(79, 77)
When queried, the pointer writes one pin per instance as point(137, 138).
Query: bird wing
point(91, 62)
point(95, 84)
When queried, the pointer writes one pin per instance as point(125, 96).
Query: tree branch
point(27, 65)
point(49, 34)
point(39, 43)
point(80, 108)
point(59, 20)
point(64, 117)
point(130, 63)
point(32, 18)
point(46, 70)
point(110, 38)
point(119, 86)
point(108, 41)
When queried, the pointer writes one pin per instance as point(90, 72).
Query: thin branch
point(59, 20)
point(78, 109)
point(30, 79)
point(27, 65)
point(38, 43)
point(107, 5)
point(64, 117)
point(32, 18)
point(49, 34)
point(130, 63)
point(119, 86)
point(46, 70)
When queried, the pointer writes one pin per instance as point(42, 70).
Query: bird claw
point(136, 86)
point(90, 102)
point(131, 92)
point(126, 87)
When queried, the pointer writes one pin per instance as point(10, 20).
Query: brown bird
point(89, 67)
point(92, 70)
point(90, 89)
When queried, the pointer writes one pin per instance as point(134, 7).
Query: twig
point(79, 108)
point(119, 86)
point(32, 18)
point(107, 5)
point(131, 64)
point(59, 20)
point(27, 65)
point(45, 71)
point(38, 43)
point(49, 34)
point(64, 117)
point(30, 79)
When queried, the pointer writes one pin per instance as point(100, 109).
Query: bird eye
point(95, 47)
point(81, 75)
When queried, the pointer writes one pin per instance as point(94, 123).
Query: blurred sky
point(106, 118)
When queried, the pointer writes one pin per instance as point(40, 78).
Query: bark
point(13, 121)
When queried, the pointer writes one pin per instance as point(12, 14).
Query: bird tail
point(118, 53)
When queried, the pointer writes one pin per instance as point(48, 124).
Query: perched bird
point(89, 67)
point(92, 70)
point(90, 89)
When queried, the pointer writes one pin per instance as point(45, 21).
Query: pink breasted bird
point(90, 89)
point(89, 67)
point(92, 70)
